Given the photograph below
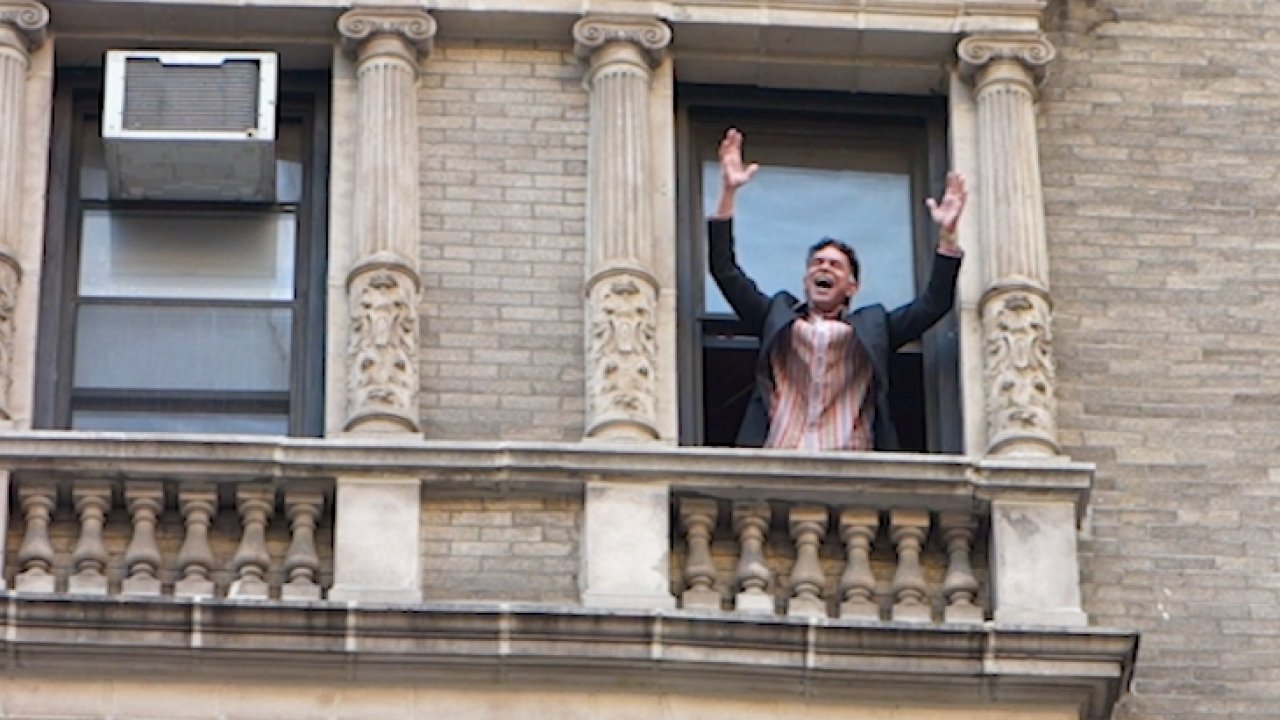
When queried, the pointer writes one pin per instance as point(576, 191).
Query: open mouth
point(825, 282)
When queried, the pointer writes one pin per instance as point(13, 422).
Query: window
point(184, 316)
point(853, 168)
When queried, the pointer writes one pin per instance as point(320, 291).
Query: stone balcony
point(858, 573)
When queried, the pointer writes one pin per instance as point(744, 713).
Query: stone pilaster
point(22, 26)
point(1015, 308)
point(383, 284)
point(622, 292)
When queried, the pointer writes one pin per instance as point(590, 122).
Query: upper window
point(853, 169)
point(191, 316)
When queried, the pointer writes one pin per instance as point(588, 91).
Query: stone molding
point(594, 32)
point(29, 19)
point(935, 482)
point(660, 650)
point(416, 29)
point(382, 352)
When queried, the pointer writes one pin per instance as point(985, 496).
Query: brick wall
point(1160, 150)
point(501, 549)
point(504, 154)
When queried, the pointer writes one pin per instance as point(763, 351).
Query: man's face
point(828, 280)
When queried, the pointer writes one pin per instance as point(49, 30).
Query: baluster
point(198, 503)
point(145, 501)
point(960, 587)
point(35, 554)
point(858, 528)
point(751, 523)
point(698, 519)
point(251, 561)
point(908, 529)
point(808, 526)
point(92, 501)
point(302, 563)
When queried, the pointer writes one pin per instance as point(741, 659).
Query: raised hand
point(732, 173)
point(947, 212)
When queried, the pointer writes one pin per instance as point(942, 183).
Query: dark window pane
point(195, 348)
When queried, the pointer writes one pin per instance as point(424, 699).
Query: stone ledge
point(685, 652)
point(934, 482)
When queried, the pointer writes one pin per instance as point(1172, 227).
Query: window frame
point(922, 120)
point(78, 100)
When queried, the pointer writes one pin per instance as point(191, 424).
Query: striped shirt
point(822, 397)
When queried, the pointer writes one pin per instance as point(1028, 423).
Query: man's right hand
point(733, 174)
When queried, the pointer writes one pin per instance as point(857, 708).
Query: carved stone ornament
point(592, 33)
point(1031, 50)
point(9, 277)
point(416, 27)
point(29, 18)
point(623, 351)
point(1019, 369)
point(382, 352)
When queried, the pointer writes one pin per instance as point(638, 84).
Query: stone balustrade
point(872, 536)
point(243, 540)
point(805, 559)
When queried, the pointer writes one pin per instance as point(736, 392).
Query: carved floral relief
point(8, 301)
point(623, 351)
point(382, 348)
point(1020, 370)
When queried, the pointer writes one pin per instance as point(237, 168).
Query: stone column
point(1015, 308)
point(383, 284)
point(22, 27)
point(377, 549)
point(622, 292)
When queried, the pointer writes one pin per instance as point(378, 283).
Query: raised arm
point(739, 290)
point(912, 320)
point(733, 174)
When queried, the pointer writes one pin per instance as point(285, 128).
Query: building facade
point(359, 360)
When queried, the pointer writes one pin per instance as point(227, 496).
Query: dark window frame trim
point(699, 105)
point(77, 92)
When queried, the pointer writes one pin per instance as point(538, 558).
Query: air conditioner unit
point(190, 125)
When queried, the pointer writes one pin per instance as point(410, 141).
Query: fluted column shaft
point(22, 27)
point(1015, 308)
point(622, 293)
point(383, 284)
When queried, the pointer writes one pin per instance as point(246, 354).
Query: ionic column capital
point(25, 22)
point(1013, 58)
point(411, 32)
point(648, 35)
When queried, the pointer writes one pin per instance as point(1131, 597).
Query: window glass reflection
point(785, 209)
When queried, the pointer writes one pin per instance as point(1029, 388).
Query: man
point(822, 374)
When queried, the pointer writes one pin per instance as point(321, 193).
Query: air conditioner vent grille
point(212, 98)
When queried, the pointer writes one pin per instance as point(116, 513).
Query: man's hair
point(840, 245)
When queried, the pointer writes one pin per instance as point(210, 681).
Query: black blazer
point(880, 331)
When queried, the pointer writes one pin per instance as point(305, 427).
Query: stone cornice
point(30, 19)
point(529, 645)
point(415, 27)
point(936, 482)
point(596, 31)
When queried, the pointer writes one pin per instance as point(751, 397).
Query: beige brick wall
point(1160, 155)
point(501, 549)
point(504, 161)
